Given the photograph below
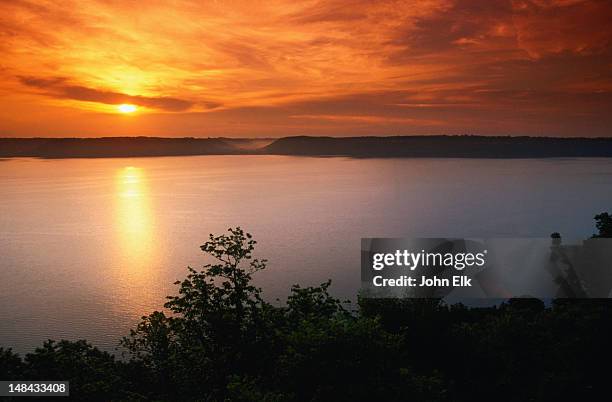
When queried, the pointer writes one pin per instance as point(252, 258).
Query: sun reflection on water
point(135, 271)
point(134, 220)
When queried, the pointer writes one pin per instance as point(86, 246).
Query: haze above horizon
point(280, 68)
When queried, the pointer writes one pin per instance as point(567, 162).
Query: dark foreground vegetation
point(220, 341)
point(437, 146)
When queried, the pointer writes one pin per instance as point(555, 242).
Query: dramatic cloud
point(280, 67)
point(58, 88)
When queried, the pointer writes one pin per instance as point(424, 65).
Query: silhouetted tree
point(220, 341)
point(603, 222)
point(11, 366)
point(94, 375)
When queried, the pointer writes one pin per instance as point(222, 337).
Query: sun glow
point(127, 108)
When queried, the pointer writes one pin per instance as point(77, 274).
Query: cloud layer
point(61, 89)
point(333, 67)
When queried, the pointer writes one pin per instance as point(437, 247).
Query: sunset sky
point(287, 67)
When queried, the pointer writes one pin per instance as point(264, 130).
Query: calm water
point(87, 246)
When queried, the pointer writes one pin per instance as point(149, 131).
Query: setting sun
point(127, 108)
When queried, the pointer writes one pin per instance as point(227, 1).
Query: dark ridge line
point(440, 146)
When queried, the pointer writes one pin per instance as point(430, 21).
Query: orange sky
point(286, 67)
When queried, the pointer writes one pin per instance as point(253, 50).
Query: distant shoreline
point(362, 147)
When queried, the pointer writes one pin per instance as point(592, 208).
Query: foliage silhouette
point(219, 340)
point(603, 223)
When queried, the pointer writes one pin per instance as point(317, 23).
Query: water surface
point(87, 246)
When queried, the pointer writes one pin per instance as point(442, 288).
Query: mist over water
point(87, 246)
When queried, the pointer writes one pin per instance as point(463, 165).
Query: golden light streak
point(134, 219)
point(135, 266)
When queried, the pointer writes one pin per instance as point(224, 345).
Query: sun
point(127, 108)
